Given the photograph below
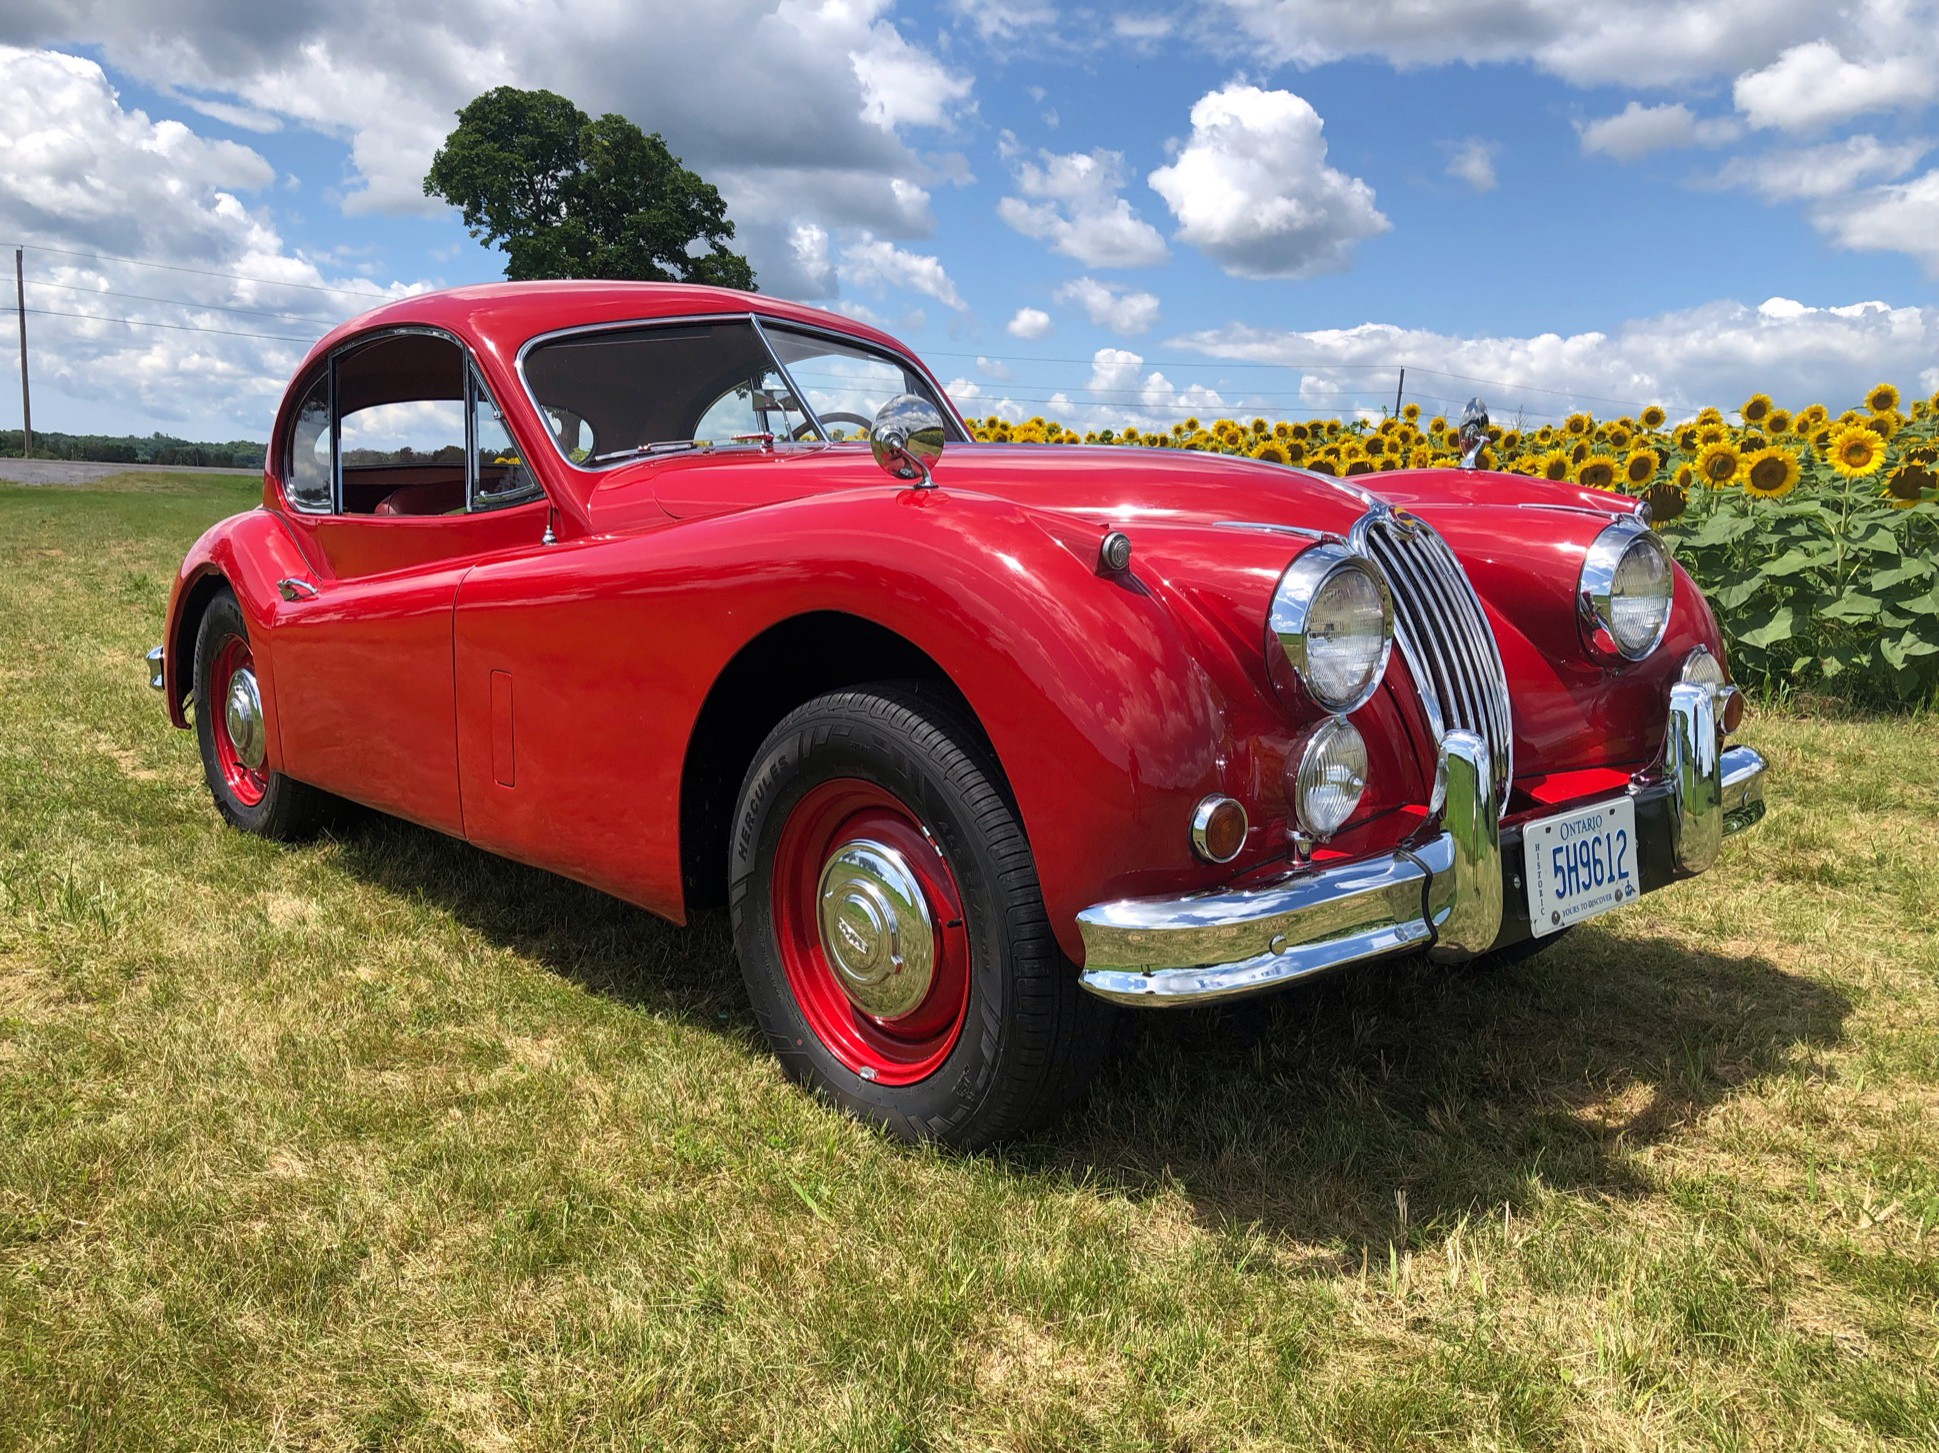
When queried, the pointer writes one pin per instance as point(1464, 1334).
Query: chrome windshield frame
point(759, 323)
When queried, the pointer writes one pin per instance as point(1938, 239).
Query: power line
point(372, 298)
point(182, 303)
point(176, 327)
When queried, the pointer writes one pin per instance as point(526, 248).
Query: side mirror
point(907, 437)
point(1473, 437)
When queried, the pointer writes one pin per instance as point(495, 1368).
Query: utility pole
point(1398, 388)
point(26, 405)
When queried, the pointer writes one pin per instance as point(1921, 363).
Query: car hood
point(1096, 484)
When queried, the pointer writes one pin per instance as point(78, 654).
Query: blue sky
point(1105, 214)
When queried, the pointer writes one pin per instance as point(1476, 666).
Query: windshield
point(629, 391)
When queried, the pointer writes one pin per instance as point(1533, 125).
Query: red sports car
point(706, 598)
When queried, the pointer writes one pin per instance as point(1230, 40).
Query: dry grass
point(378, 1142)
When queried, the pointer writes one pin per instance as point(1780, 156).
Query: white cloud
point(1005, 20)
point(1901, 218)
point(1473, 162)
point(799, 110)
point(1072, 202)
point(1667, 41)
point(1028, 323)
point(1637, 130)
point(1814, 173)
point(1252, 190)
point(80, 172)
point(876, 266)
point(1813, 85)
point(1118, 309)
point(1717, 353)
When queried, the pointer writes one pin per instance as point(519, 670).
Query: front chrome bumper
point(1444, 893)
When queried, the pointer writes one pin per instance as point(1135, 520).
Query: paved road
point(73, 471)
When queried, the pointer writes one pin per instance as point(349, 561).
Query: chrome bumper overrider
point(154, 660)
point(1443, 894)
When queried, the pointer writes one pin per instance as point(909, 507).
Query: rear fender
point(249, 553)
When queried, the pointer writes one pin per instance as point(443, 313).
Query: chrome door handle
point(293, 589)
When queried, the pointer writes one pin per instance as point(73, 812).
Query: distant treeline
point(128, 449)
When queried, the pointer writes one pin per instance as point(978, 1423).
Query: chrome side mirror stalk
point(907, 438)
point(1474, 433)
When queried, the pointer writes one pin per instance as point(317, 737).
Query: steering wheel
point(843, 418)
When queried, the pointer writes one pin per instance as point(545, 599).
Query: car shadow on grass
point(1373, 1105)
point(1383, 1103)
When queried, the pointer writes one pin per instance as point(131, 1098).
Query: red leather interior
point(422, 499)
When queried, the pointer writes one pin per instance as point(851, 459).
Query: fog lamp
point(1326, 778)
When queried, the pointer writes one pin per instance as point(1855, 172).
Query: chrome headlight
point(1325, 780)
point(1331, 627)
point(1623, 596)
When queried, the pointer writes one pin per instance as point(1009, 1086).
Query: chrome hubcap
point(242, 715)
point(875, 929)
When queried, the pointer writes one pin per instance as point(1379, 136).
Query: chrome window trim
point(755, 320)
point(475, 389)
point(330, 362)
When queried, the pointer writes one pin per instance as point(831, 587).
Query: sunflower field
point(1815, 536)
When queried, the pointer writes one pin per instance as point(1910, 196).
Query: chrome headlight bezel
point(1596, 590)
point(1290, 617)
point(1327, 743)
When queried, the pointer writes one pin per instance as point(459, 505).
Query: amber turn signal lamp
point(1219, 829)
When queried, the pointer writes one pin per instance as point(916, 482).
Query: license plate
point(1580, 863)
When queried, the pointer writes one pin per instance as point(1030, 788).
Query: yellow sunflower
point(1640, 468)
point(1271, 451)
point(1886, 423)
point(1411, 412)
point(1780, 421)
point(1437, 425)
point(1710, 415)
point(1666, 501)
point(1577, 423)
point(1653, 417)
point(1555, 465)
point(1421, 458)
point(1771, 473)
point(1685, 477)
point(1811, 417)
point(1882, 398)
point(1357, 464)
point(1855, 451)
point(1597, 472)
point(1907, 484)
point(1619, 437)
point(1712, 434)
point(1718, 464)
point(1756, 409)
point(1686, 438)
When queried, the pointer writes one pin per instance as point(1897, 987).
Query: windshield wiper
point(664, 446)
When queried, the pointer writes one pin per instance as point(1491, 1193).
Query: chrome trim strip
point(1276, 529)
point(1207, 946)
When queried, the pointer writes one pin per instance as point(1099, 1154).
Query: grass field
point(378, 1142)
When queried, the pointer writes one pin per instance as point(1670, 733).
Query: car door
point(423, 484)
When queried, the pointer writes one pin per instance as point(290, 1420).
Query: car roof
point(502, 317)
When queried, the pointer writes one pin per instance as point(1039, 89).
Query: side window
point(402, 428)
point(308, 477)
point(502, 477)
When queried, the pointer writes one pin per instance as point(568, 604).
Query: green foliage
point(135, 449)
point(566, 196)
point(1833, 587)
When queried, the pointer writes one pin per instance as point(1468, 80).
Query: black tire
point(288, 809)
point(1030, 1036)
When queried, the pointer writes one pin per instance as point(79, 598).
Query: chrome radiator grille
point(1443, 635)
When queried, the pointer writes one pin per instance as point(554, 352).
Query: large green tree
point(567, 196)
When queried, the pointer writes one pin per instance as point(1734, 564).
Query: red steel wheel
point(232, 731)
point(870, 926)
point(240, 739)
